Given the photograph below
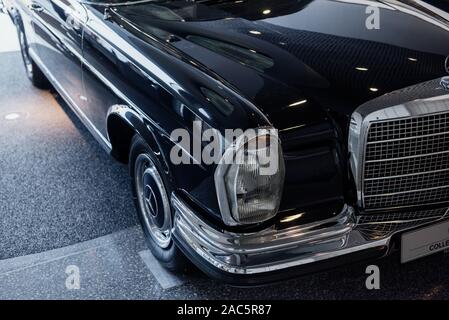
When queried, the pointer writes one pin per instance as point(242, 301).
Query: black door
point(58, 36)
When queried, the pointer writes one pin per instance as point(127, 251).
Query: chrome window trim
point(436, 103)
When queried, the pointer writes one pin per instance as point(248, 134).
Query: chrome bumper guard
point(270, 249)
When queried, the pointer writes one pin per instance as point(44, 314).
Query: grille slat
point(389, 185)
point(407, 162)
point(403, 166)
point(410, 138)
point(376, 226)
point(407, 175)
point(410, 147)
point(401, 216)
point(406, 128)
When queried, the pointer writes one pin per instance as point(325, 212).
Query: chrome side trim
point(104, 142)
point(270, 249)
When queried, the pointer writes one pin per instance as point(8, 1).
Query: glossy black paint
point(58, 41)
point(302, 66)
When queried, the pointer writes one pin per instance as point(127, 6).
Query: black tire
point(33, 72)
point(167, 253)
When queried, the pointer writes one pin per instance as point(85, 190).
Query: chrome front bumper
point(269, 250)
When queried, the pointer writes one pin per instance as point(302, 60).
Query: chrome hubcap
point(153, 201)
point(25, 54)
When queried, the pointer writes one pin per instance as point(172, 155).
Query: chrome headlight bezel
point(227, 202)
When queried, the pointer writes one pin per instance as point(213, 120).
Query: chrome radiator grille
point(407, 162)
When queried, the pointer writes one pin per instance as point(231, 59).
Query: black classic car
point(353, 92)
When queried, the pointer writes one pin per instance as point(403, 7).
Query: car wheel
point(33, 72)
point(151, 197)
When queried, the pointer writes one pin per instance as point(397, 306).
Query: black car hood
point(297, 60)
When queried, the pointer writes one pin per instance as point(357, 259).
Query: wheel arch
point(122, 124)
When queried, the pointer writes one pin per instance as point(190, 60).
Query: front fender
point(122, 123)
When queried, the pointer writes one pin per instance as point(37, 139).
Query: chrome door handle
point(35, 7)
